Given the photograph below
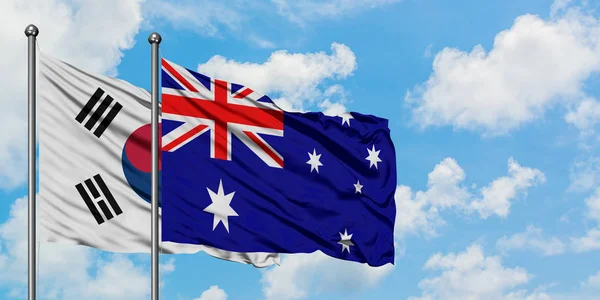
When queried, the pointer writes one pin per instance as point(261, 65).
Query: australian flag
point(240, 174)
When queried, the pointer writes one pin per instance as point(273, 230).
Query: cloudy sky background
point(493, 110)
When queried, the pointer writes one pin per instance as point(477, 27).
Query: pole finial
point(31, 30)
point(154, 38)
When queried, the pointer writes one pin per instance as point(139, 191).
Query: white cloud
point(593, 282)
point(117, 278)
point(332, 108)
point(301, 11)
point(524, 295)
point(213, 293)
point(496, 196)
point(427, 53)
point(415, 214)
point(531, 239)
point(559, 6)
point(585, 116)
point(295, 77)
point(532, 66)
point(589, 242)
point(208, 18)
point(261, 42)
point(443, 185)
point(167, 267)
point(471, 275)
point(201, 16)
point(593, 206)
point(70, 30)
point(585, 175)
point(334, 102)
point(66, 271)
point(301, 275)
point(420, 211)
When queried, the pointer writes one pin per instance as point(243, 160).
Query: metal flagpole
point(31, 32)
point(154, 40)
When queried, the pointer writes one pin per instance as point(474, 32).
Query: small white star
point(373, 157)
point(220, 206)
point(345, 241)
point(314, 161)
point(358, 187)
point(346, 118)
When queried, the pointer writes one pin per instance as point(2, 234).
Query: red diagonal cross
point(222, 113)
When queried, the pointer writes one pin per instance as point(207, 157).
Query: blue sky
point(493, 113)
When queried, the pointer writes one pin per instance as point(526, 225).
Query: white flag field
point(94, 165)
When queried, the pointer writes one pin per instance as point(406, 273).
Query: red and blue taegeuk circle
point(136, 160)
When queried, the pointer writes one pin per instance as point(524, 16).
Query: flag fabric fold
point(243, 175)
point(95, 164)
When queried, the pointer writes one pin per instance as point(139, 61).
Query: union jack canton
point(221, 108)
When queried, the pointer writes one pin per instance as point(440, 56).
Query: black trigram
point(96, 195)
point(97, 114)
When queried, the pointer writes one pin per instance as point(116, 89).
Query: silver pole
point(154, 40)
point(31, 32)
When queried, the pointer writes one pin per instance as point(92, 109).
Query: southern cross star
point(346, 241)
point(220, 206)
point(358, 187)
point(373, 157)
point(314, 161)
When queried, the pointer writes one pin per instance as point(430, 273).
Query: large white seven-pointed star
point(346, 241)
point(373, 157)
point(346, 118)
point(314, 161)
point(220, 206)
point(358, 187)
